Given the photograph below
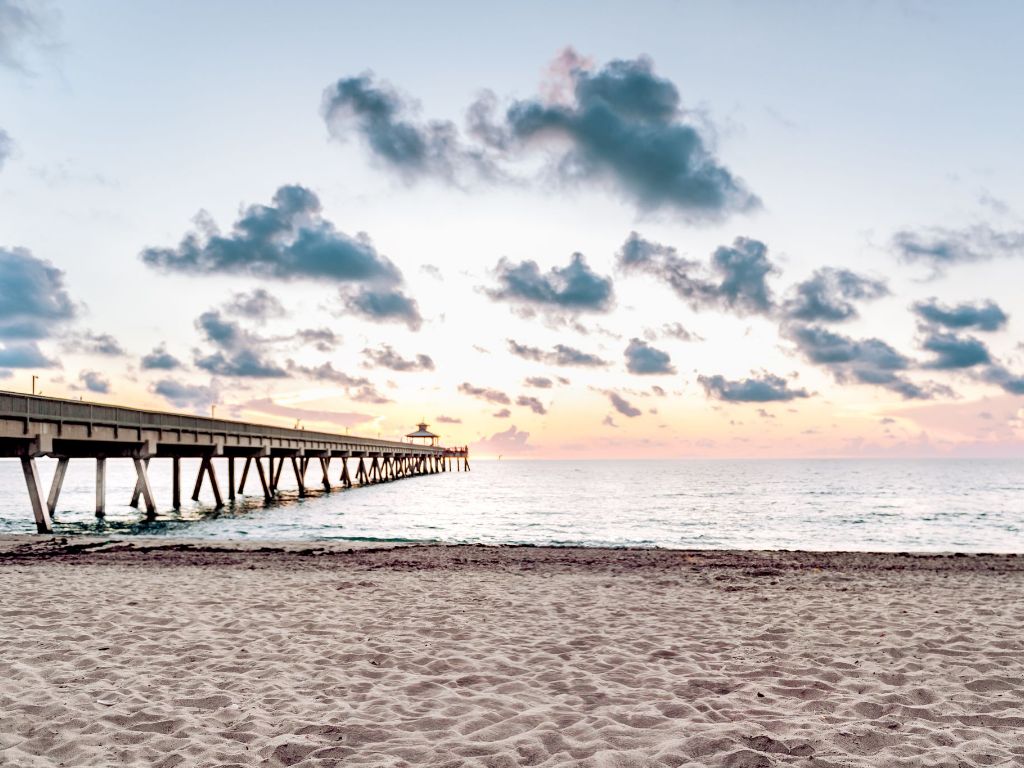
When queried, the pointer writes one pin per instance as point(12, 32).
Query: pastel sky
point(551, 230)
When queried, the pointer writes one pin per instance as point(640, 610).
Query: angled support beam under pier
point(57, 484)
point(35, 495)
point(142, 471)
point(325, 467)
point(346, 478)
point(206, 468)
point(267, 495)
point(245, 474)
point(299, 475)
point(138, 489)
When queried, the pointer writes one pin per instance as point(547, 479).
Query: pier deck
point(32, 426)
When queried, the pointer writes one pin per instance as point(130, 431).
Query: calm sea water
point(922, 505)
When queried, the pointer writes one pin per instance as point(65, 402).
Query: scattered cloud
point(93, 381)
point(766, 388)
point(623, 406)
point(736, 278)
point(90, 343)
point(560, 354)
point(490, 395)
point(672, 331)
point(191, 396)
point(386, 357)
point(160, 360)
point(25, 354)
point(939, 247)
point(539, 382)
point(954, 352)
point(259, 305)
point(982, 316)
point(623, 126)
point(22, 24)
point(239, 353)
point(6, 144)
point(286, 240)
point(643, 359)
point(510, 441)
point(321, 339)
point(995, 374)
point(448, 420)
point(357, 388)
point(504, 413)
point(34, 302)
point(827, 296)
point(383, 305)
point(341, 418)
point(532, 403)
point(574, 288)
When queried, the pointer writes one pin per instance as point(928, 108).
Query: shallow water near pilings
point(886, 505)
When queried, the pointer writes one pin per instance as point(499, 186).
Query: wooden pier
point(33, 426)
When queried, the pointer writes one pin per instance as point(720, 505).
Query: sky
point(573, 230)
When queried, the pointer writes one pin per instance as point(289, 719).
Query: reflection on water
point(922, 505)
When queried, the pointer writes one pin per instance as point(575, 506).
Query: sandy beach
point(163, 653)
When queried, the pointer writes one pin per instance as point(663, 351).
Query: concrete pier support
point(176, 482)
point(299, 475)
point(35, 495)
point(206, 469)
point(231, 478)
point(142, 483)
point(57, 484)
point(101, 486)
point(267, 494)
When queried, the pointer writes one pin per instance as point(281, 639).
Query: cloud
point(259, 305)
point(160, 360)
point(1001, 376)
point(575, 288)
point(322, 339)
point(386, 357)
point(94, 382)
point(643, 359)
point(490, 395)
point(384, 120)
point(33, 299)
point(341, 418)
point(940, 247)
point(954, 352)
point(383, 305)
point(510, 441)
point(357, 388)
point(624, 126)
point(623, 406)
point(20, 23)
point(560, 354)
point(6, 145)
point(674, 331)
point(984, 316)
point(532, 403)
point(191, 396)
point(736, 278)
point(287, 240)
point(828, 294)
point(91, 343)
point(448, 420)
point(504, 413)
point(864, 361)
point(540, 382)
point(25, 355)
point(608, 421)
point(766, 388)
point(239, 353)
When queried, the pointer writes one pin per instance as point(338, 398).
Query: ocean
point(965, 505)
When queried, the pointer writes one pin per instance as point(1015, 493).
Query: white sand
point(506, 657)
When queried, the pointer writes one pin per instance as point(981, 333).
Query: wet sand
point(172, 653)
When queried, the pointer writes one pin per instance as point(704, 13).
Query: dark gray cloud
point(623, 406)
point(387, 123)
point(863, 361)
point(259, 305)
point(387, 357)
point(1003, 377)
point(766, 388)
point(624, 126)
point(6, 145)
point(954, 352)
point(560, 354)
point(287, 240)
point(643, 359)
point(239, 353)
point(828, 295)
point(983, 316)
point(736, 278)
point(574, 288)
point(383, 305)
point(448, 420)
point(93, 381)
point(160, 360)
point(25, 354)
point(321, 339)
point(940, 247)
point(33, 300)
point(539, 382)
point(490, 395)
point(532, 403)
point(192, 396)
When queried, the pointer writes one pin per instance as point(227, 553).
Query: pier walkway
point(32, 426)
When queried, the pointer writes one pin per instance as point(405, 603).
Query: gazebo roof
point(422, 432)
